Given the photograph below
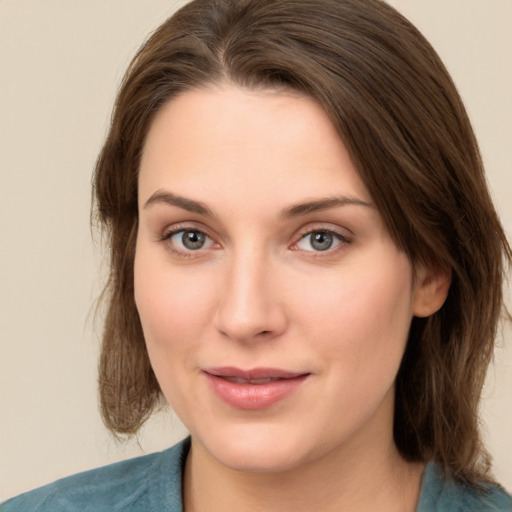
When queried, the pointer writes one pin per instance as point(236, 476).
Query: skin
point(259, 293)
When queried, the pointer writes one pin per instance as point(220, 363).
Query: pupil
point(193, 240)
point(321, 241)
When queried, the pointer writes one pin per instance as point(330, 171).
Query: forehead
point(205, 141)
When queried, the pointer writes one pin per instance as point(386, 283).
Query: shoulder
point(439, 495)
point(133, 485)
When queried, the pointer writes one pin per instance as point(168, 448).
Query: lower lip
point(254, 396)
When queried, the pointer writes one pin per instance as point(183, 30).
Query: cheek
point(174, 308)
point(174, 305)
point(364, 316)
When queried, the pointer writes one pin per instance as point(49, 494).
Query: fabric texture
point(152, 483)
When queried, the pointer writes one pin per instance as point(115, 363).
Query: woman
point(305, 263)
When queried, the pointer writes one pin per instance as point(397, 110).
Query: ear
point(431, 290)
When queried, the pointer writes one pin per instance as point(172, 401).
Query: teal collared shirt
point(152, 483)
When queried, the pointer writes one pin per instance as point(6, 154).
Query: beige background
point(60, 63)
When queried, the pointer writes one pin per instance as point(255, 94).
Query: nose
point(250, 305)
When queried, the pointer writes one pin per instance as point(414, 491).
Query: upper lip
point(253, 373)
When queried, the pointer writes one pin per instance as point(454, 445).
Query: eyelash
point(167, 235)
point(341, 238)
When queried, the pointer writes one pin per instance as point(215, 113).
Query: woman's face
point(275, 306)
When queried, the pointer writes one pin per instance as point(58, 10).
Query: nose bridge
point(249, 303)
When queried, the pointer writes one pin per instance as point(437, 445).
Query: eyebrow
point(190, 205)
point(318, 205)
point(295, 210)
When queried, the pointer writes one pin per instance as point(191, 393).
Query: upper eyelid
point(172, 229)
point(340, 231)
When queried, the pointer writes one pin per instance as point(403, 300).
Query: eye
point(189, 240)
point(320, 240)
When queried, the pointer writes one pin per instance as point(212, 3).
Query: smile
point(254, 389)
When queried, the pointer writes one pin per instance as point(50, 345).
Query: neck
point(382, 480)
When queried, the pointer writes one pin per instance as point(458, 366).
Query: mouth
point(237, 380)
point(253, 389)
point(252, 376)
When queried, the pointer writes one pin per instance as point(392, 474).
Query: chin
point(255, 450)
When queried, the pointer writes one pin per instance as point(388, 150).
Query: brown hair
point(400, 116)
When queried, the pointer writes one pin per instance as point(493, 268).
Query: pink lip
point(253, 389)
